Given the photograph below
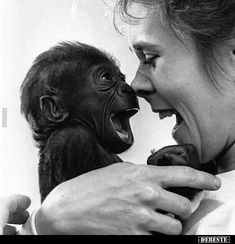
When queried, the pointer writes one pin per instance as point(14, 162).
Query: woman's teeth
point(168, 113)
point(179, 119)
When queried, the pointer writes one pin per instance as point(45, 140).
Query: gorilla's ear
point(51, 110)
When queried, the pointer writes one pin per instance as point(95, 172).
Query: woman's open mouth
point(168, 113)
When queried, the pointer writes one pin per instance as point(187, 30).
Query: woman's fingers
point(12, 210)
point(169, 202)
point(9, 230)
point(17, 203)
point(183, 176)
point(18, 217)
point(163, 223)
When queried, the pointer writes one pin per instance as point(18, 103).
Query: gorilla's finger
point(175, 159)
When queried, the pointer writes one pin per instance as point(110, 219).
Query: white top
point(215, 210)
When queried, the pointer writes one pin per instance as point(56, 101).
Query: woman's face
point(171, 78)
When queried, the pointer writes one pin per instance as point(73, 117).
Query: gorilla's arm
point(70, 152)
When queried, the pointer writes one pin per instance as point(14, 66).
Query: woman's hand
point(121, 199)
point(13, 211)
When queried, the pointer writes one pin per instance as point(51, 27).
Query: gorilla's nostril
point(128, 89)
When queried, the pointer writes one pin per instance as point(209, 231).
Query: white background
point(29, 27)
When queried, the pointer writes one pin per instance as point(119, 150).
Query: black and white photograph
point(118, 118)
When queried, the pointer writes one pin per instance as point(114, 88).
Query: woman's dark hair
point(208, 22)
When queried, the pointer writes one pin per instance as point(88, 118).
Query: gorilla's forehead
point(104, 64)
point(104, 59)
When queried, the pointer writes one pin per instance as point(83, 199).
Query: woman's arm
point(121, 199)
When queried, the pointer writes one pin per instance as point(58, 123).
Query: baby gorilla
point(78, 105)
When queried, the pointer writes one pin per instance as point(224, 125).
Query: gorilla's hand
point(185, 155)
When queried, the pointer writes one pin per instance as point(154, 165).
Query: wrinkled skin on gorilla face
point(106, 102)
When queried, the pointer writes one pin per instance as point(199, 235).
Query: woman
point(186, 52)
point(123, 198)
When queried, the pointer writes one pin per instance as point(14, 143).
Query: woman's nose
point(142, 85)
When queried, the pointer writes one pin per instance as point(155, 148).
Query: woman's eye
point(150, 59)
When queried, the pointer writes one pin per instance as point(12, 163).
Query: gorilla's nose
point(127, 90)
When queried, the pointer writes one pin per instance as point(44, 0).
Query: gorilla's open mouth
point(121, 124)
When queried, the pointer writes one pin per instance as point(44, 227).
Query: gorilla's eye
point(106, 76)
